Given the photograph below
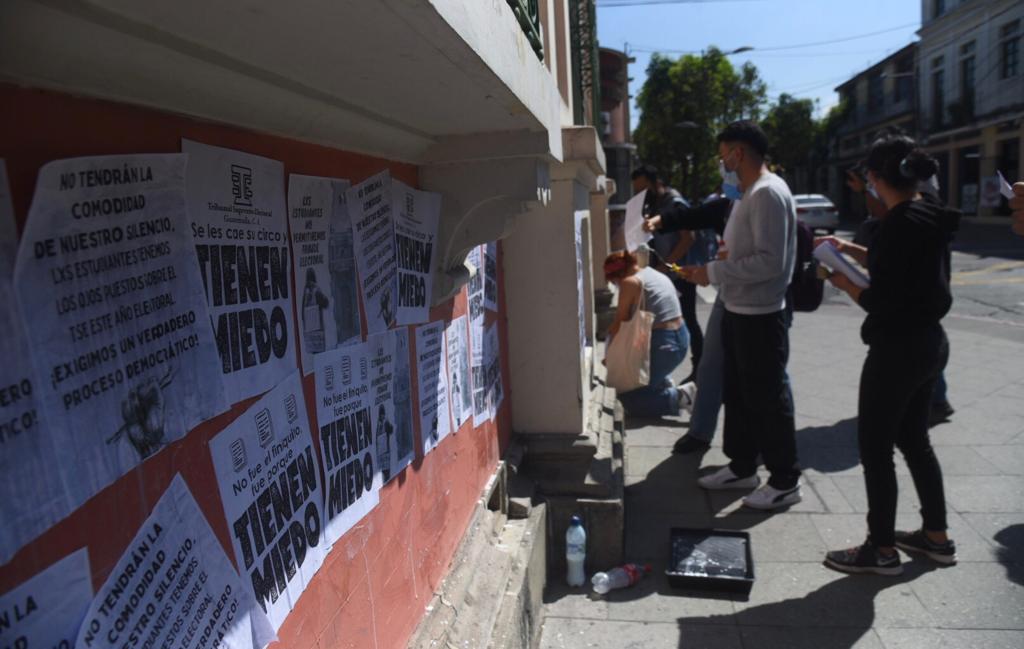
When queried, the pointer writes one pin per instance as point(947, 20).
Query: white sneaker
point(768, 497)
point(687, 395)
point(724, 478)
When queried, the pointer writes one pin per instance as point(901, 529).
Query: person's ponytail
point(898, 161)
point(918, 165)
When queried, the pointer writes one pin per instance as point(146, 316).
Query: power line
point(776, 48)
point(637, 3)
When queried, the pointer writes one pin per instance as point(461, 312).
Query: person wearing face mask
point(909, 264)
point(760, 237)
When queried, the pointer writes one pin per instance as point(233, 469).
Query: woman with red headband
point(669, 338)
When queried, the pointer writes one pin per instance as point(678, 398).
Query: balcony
point(863, 117)
point(528, 15)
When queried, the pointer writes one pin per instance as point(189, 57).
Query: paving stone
point(774, 637)
point(642, 460)
point(647, 533)
point(564, 633)
point(1007, 458)
point(971, 596)
point(653, 436)
point(950, 639)
point(812, 596)
point(561, 600)
point(985, 493)
point(664, 493)
point(778, 537)
point(846, 530)
point(852, 489)
point(831, 497)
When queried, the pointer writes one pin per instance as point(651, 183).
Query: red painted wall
point(375, 584)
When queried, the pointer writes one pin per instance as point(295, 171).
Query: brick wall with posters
point(377, 580)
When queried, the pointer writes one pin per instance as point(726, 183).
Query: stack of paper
point(828, 255)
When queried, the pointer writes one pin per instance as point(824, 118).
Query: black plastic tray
point(719, 560)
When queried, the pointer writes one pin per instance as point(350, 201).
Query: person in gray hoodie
point(760, 240)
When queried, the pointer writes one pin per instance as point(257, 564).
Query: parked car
point(817, 211)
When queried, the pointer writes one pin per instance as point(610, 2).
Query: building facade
point(489, 104)
point(971, 97)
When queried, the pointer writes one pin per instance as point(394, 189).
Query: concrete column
point(988, 148)
point(600, 242)
point(545, 359)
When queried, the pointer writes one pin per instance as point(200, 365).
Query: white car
point(817, 211)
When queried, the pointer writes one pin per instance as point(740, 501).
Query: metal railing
point(528, 15)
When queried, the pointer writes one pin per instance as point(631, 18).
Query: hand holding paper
point(827, 253)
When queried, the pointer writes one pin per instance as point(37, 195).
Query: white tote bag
point(628, 357)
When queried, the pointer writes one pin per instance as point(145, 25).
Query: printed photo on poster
point(401, 389)
point(343, 409)
point(369, 205)
point(435, 417)
point(416, 216)
point(107, 279)
point(174, 587)
point(269, 483)
point(491, 275)
point(455, 336)
point(240, 230)
point(47, 610)
point(475, 293)
point(313, 207)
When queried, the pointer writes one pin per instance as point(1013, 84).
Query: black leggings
point(896, 388)
point(688, 300)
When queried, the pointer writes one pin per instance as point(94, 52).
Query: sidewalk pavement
point(797, 603)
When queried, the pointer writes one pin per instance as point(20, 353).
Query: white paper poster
point(633, 225)
point(401, 390)
point(240, 230)
point(492, 360)
point(478, 371)
point(435, 422)
point(475, 292)
point(455, 336)
point(383, 353)
point(8, 225)
point(269, 483)
point(343, 406)
point(174, 587)
point(369, 205)
point(416, 215)
point(322, 257)
point(491, 275)
point(34, 496)
point(46, 611)
point(107, 278)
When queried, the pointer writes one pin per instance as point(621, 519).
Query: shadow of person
point(829, 448)
point(1011, 551)
point(835, 616)
point(637, 423)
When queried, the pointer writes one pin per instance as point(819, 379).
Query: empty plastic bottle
point(620, 577)
point(575, 552)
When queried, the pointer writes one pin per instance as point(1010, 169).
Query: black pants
point(688, 300)
point(758, 404)
point(896, 388)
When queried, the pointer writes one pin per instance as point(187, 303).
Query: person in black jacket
point(909, 264)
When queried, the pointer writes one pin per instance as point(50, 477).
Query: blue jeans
point(659, 397)
point(704, 419)
point(939, 395)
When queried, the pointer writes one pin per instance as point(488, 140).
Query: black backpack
point(805, 290)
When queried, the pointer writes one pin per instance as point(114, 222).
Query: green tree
point(684, 103)
point(791, 131)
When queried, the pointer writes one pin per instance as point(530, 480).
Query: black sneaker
point(919, 543)
point(863, 560)
point(688, 444)
point(939, 413)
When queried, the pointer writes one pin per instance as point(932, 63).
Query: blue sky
point(806, 72)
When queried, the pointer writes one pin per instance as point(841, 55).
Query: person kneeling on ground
point(669, 338)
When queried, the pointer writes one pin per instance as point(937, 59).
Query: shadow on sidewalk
point(1011, 554)
point(636, 423)
point(829, 448)
point(842, 611)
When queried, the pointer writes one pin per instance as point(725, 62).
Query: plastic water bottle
point(575, 552)
point(620, 577)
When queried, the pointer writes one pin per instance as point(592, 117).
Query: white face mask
point(873, 191)
point(730, 180)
